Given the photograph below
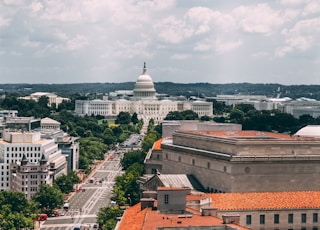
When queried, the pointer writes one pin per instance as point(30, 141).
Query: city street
point(93, 194)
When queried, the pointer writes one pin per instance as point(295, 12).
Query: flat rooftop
point(250, 135)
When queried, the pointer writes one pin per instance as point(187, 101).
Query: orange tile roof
point(133, 218)
point(266, 200)
point(196, 197)
point(155, 219)
point(157, 145)
point(148, 219)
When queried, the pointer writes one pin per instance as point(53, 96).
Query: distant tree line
point(176, 89)
point(266, 120)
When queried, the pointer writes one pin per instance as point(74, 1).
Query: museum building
point(246, 161)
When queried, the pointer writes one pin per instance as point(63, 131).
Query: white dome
point(309, 131)
point(144, 87)
point(145, 78)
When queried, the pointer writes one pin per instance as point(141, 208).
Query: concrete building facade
point(26, 177)
point(29, 146)
point(244, 161)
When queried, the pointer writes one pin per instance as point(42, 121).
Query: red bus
point(41, 217)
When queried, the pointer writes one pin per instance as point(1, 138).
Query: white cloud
point(224, 46)
point(28, 43)
point(4, 21)
point(205, 45)
point(128, 50)
point(85, 36)
point(77, 42)
point(260, 54)
point(172, 30)
point(312, 7)
point(260, 18)
point(156, 4)
point(292, 2)
point(36, 6)
point(303, 36)
point(180, 56)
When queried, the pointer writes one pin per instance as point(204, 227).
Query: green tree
point(174, 115)
point(205, 118)
point(16, 211)
point(189, 115)
point(64, 183)
point(123, 118)
point(237, 116)
point(135, 156)
point(43, 101)
point(107, 217)
point(134, 118)
point(48, 198)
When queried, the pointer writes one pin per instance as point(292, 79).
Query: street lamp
point(129, 199)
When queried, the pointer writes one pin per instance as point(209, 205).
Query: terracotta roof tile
point(266, 200)
point(133, 218)
point(157, 145)
point(148, 219)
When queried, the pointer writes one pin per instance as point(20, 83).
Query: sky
point(181, 41)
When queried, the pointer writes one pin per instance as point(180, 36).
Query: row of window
point(20, 155)
point(35, 182)
point(33, 176)
point(2, 167)
point(194, 162)
point(276, 218)
point(23, 149)
point(2, 173)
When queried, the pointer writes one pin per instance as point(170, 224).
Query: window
point(303, 218)
point(193, 161)
point(179, 159)
point(262, 219)
point(315, 217)
point(166, 198)
point(276, 218)
point(290, 218)
point(248, 219)
point(208, 165)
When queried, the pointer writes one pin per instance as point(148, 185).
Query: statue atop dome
point(144, 68)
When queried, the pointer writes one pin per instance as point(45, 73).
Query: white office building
point(28, 146)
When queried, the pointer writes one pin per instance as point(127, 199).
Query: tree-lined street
point(86, 202)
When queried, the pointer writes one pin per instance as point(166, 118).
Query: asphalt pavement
point(89, 198)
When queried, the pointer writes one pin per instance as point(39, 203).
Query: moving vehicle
point(66, 206)
point(41, 217)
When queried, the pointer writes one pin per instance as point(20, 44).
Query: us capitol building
point(144, 101)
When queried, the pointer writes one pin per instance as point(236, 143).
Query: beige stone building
point(244, 161)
